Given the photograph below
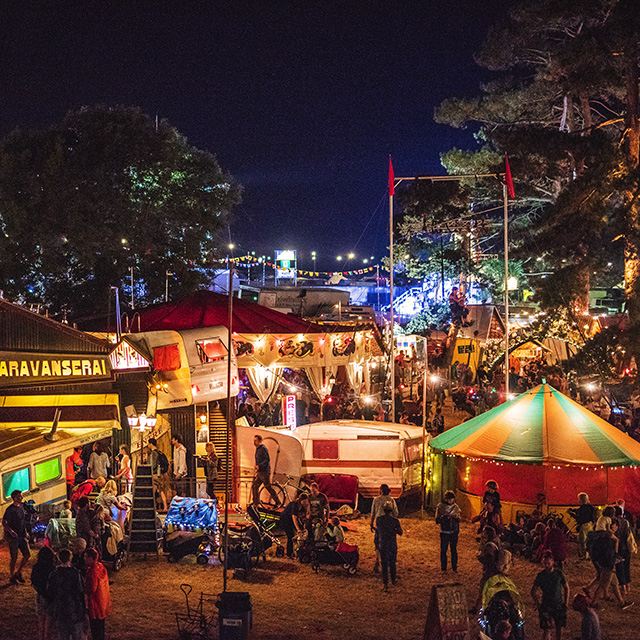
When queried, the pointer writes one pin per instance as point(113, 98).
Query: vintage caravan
point(191, 365)
point(376, 452)
point(36, 465)
point(285, 453)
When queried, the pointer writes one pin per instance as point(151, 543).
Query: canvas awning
point(78, 411)
point(543, 427)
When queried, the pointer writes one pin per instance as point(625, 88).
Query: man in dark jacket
point(14, 523)
point(263, 473)
point(387, 530)
point(66, 595)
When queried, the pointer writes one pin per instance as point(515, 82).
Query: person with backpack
point(603, 547)
point(448, 517)
point(66, 594)
point(387, 529)
point(160, 470)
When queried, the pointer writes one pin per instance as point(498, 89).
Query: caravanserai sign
point(18, 368)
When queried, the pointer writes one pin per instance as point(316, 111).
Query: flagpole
point(506, 288)
point(392, 417)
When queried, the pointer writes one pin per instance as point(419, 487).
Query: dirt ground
point(291, 602)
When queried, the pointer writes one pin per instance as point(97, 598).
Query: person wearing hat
point(387, 529)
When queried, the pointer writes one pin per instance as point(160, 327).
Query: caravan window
point(166, 358)
point(325, 450)
point(211, 350)
point(47, 470)
point(15, 480)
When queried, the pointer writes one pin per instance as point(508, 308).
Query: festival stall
point(543, 449)
point(267, 341)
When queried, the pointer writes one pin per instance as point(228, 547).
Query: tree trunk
point(631, 148)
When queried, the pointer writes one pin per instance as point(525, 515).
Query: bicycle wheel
point(268, 501)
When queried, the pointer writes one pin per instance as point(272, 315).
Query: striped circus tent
point(541, 447)
point(541, 426)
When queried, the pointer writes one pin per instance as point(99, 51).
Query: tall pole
point(424, 421)
point(393, 359)
point(167, 273)
point(229, 427)
point(506, 289)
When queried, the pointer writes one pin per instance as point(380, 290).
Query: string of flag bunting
point(252, 261)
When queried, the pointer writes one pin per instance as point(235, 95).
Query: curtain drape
point(319, 379)
point(263, 380)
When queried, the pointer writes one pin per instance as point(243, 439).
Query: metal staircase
point(218, 435)
point(143, 536)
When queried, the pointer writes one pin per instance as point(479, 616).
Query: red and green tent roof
point(541, 426)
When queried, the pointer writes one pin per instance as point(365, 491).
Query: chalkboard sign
point(447, 615)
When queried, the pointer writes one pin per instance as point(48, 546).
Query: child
point(98, 595)
point(491, 495)
point(335, 533)
point(448, 517)
point(590, 628)
point(553, 586)
point(66, 510)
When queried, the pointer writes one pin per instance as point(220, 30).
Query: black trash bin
point(234, 615)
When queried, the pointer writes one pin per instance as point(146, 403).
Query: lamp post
point(167, 273)
point(313, 257)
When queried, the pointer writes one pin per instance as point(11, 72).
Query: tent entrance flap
point(77, 411)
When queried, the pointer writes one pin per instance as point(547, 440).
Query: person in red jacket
point(73, 464)
point(96, 587)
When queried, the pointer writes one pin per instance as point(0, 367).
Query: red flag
point(391, 178)
point(507, 177)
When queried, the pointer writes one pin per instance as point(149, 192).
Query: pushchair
point(501, 601)
point(179, 544)
point(114, 546)
point(191, 527)
point(247, 544)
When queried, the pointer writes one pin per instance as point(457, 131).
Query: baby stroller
point(247, 544)
point(114, 546)
point(179, 544)
point(501, 601)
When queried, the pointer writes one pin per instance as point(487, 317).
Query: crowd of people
point(606, 541)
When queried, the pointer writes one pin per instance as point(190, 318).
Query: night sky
point(301, 101)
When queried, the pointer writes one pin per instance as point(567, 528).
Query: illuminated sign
point(289, 412)
point(18, 368)
point(124, 356)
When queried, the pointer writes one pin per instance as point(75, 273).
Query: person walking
point(552, 607)
point(42, 570)
point(448, 517)
point(387, 529)
point(98, 595)
point(14, 523)
point(160, 472)
point(263, 473)
point(66, 594)
point(626, 542)
point(179, 465)
point(377, 510)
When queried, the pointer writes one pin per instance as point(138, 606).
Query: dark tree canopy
point(84, 200)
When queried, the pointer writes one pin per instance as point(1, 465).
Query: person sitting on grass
point(552, 608)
